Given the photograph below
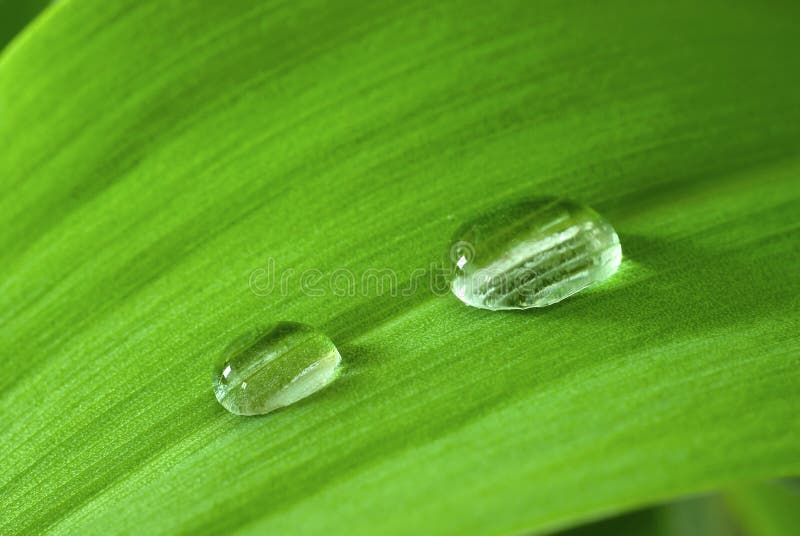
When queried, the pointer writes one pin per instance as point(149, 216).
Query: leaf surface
point(157, 157)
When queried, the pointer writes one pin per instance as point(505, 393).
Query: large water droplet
point(269, 369)
point(532, 254)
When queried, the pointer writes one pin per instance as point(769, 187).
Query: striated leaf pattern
point(160, 160)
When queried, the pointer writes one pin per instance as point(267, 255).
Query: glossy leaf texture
point(159, 158)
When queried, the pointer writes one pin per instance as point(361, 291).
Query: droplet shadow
point(683, 288)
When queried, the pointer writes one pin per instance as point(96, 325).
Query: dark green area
point(15, 15)
point(767, 509)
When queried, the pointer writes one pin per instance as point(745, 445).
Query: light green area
point(155, 154)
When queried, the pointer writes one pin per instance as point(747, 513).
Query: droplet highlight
point(532, 253)
point(268, 369)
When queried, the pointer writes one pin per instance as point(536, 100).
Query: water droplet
point(532, 254)
point(268, 369)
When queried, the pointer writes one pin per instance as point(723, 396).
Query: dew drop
point(268, 369)
point(532, 253)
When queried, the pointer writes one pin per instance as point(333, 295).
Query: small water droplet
point(268, 369)
point(532, 253)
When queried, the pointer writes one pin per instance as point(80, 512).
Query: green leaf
point(15, 14)
point(695, 516)
point(158, 156)
point(769, 509)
